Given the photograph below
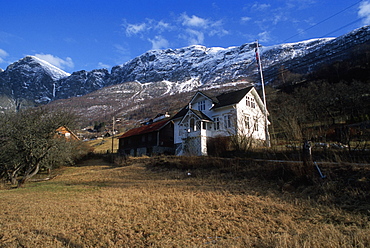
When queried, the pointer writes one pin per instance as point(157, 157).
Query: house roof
point(64, 130)
point(197, 113)
point(231, 98)
point(156, 126)
point(181, 113)
point(222, 100)
point(201, 115)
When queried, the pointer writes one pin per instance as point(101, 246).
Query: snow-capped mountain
point(168, 71)
point(206, 65)
point(31, 78)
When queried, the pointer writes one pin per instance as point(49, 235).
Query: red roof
point(156, 126)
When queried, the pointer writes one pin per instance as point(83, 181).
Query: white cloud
point(189, 28)
point(56, 61)
point(3, 55)
point(245, 19)
point(279, 17)
point(193, 37)
point(262, 6)
point(159, 42)
point(364, 12)
point(264, 36)
point(216, 28)
point(162, 26)
point(301, 4)
point(193, 21)
point(134, 29)
point(196, 28)
point(140, 29)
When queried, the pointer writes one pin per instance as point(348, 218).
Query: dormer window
point(202, 105)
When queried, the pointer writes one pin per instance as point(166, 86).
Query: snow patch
point(52, 70)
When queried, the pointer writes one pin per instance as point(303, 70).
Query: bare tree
point(29, 142)
point(242, 131)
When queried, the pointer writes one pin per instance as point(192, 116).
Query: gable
point(200, 96)
point(197, 114)
point(258, 100)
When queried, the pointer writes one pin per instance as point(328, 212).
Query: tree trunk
point(13, 175)
point(33, 169)
point(28, 174)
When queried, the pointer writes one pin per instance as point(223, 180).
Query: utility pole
point(113, 120)
point(268, 142)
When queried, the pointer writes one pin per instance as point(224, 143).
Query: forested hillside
point(337, 96)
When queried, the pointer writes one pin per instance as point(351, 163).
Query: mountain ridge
point(167, 71)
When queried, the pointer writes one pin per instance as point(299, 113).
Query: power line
point(306, 62)
point(322, 21)
point(349, 24)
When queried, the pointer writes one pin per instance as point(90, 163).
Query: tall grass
point(164, 202)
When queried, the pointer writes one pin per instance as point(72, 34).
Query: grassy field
point(99, 205)
point(104, 145)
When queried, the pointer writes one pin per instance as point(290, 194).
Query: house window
point(216, 123)
point(248, 101)
point(192, 125)
point(143, 138)
point(227, 121)
point(202, 105)
point(255, 125)
point(247, 122)
point(253, 103)
point(150, 137)
point(199, 123)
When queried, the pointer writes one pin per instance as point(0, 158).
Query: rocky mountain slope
point(32, 81)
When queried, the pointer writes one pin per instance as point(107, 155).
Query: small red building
point(150, 139)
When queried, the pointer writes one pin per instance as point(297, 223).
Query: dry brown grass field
point(97, 204)
point(104, 145)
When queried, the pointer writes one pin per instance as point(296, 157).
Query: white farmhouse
point(235, 114)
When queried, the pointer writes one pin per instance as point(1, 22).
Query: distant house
point(154, 137)
point(67, 133)
point(237, 113)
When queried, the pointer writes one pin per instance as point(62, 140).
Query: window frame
point(216, 123)
point(202, 105)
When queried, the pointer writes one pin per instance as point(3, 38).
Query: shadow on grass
point(346, 186)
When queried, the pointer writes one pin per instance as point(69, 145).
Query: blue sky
point(85, 35)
